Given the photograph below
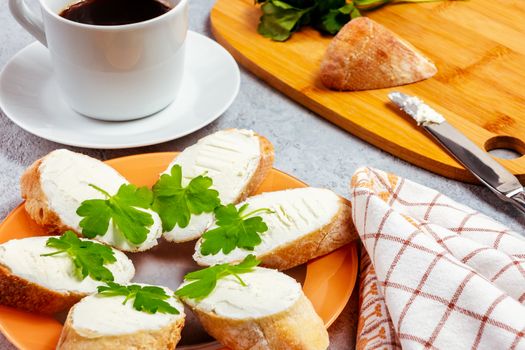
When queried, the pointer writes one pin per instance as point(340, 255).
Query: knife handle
point(519, 201)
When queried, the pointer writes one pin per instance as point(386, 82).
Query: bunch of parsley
point(283, 17)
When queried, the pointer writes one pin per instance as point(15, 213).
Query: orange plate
point(329, 279)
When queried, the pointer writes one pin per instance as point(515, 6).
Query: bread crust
point(164, 338)
point(337, 233)
point(263, 168)
point(36, 203)
point(365, 55)
point(22, 294)
point(297, 328)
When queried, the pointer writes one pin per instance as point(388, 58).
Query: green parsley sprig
point(175, 203)
point(122, 209)
point(88, 257)
point(149, 299)
point(204, 281)
point(235, 228)
point(281, 18)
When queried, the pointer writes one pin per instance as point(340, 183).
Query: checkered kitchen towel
point(435, 274)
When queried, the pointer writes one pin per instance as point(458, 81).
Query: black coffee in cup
point(114, 12)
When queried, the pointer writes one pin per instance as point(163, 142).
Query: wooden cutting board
point(477, 45)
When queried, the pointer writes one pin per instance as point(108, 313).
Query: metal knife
point(477, 161)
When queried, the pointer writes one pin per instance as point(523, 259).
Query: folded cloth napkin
point(434, 274)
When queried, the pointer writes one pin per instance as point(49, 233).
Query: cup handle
point(27, 19)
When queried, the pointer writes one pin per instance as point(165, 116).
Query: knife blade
point(473, 158)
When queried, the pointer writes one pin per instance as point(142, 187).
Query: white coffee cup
point(115, 73)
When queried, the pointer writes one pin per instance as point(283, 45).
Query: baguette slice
point(306, 223)
point(55, 186)
point(237, 161)
point(102, 322)
point(47, 284)
point(271, 312)
point(365, 55)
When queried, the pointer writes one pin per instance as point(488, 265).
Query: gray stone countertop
point(307, 146)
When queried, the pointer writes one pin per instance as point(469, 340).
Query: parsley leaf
point(203, 281)
point(88, 257)
point(175, 204)
point(332, 21)
point(149, 299)
point(133, 223)
point(235, 229)
point(280, 19)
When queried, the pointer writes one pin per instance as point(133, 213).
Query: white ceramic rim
point(180, 6)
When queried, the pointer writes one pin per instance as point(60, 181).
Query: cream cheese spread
point(267, 292)
point(296, 213)
point(98, 315)
point(424, 115)
point(65, 177)
point(230, 158)
point(23, 258)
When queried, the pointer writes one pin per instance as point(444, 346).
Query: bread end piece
point(164, 338)
point(365, 55)
point(36, 204)
point(28, 296)
point(297, 328)
point(334, 235)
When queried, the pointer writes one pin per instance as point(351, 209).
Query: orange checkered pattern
point(435, 274)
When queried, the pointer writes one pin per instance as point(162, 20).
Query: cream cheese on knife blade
point(424, 115)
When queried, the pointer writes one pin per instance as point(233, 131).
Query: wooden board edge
point(447, 170)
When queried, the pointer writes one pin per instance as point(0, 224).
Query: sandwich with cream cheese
point(237, 161)
point(38, 277)
point(254, 308)
point(56, 186)
point(115, 320)
point(297, 225)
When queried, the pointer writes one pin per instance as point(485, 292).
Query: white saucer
point(30, 98)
